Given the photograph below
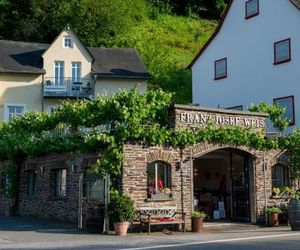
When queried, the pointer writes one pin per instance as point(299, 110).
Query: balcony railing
point(68, 87)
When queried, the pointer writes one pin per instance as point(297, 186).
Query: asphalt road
point(22, 233)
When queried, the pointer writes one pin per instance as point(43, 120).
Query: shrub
point(198, 214)
point(274, 210)
point(120, 208)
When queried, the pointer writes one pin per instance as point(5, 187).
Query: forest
point(167, 33)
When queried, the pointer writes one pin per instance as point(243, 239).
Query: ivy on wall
point(106, 123)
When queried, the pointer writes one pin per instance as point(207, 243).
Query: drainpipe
point(192, 179)
point(265, 189)
point(106, 201)
point(181, 180)
point(43, 104)
point(80, 224)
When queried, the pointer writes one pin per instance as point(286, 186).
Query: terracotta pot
point(198, 225)
point(121, 228)
point(273, 220)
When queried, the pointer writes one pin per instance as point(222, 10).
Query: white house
point(253, 56)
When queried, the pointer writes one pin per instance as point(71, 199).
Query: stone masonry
point(134, 172)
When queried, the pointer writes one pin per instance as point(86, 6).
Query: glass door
point(59, 73)
point(239, 188)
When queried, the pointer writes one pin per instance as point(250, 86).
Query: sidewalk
point(27, 233)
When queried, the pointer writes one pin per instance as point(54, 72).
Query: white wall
point(248, 46)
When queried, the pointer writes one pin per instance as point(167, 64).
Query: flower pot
point(294, 215)
point(273, 220)
point(121, 228)
point(198, 225)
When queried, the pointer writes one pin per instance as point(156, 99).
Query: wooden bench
point(151, 216)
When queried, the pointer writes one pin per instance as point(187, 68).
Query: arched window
point(159, 178)
point(280, 176)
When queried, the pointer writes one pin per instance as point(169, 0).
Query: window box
point(251, 8)
point(282, 51)
point(221, 69)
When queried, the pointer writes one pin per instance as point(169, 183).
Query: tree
point(203, 8)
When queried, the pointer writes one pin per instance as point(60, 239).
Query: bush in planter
point(198, 214)
point(273, 213)
point(275, 191)
point(197, 221)
point(274, 210)
point(121, 212)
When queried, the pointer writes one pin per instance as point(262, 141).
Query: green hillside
point(167, 45)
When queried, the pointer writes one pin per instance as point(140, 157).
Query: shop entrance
point(221, 185)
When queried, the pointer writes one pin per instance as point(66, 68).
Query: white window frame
point(77, 76)
point(167, 178)
point(7, 105)
point(60, 78)
point(67, 45)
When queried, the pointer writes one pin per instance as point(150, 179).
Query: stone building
point(227, 181)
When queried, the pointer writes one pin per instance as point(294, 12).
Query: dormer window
point(221, 69)
point(68, 42)
point(282, 51)
point(252, 8)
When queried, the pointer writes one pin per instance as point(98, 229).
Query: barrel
point(294, 215)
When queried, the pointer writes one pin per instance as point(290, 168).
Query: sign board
point(198, 118)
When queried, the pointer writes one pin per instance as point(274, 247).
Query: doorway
point(221, 185)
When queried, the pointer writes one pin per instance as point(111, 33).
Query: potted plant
point(294, 209)
point(273, 213)
point(120, 212)
point(275, 192)
point(197, 221)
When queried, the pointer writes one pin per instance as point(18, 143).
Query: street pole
point(265, 189)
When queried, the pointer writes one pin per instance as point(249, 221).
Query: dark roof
point(296, 3)
point(115, 62)
point(220, 24)
point(22, 57)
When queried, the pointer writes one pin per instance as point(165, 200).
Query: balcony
point(67, 87)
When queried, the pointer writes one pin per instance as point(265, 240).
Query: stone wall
point(6, 203)
point(134, 176)
point(134, 181)
point(44, 203)
point(137, 158)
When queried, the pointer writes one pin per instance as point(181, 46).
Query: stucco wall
point(111, 86)
point(20, 89)
point(248, 46)
point(57, 52)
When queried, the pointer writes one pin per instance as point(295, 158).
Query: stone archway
point(206, 147)
point(205, 154)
